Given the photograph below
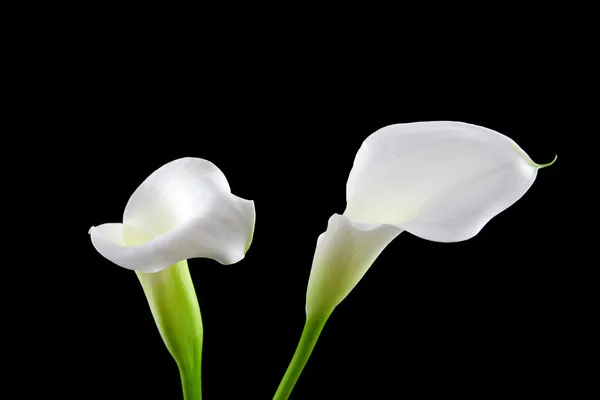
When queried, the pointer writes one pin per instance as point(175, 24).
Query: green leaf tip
point(548, 164)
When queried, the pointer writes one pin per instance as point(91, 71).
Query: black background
point(484, 316)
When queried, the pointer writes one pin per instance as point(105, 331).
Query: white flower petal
point(183, 210)
point(441, 181)
point(173, 194)
point(344, 253)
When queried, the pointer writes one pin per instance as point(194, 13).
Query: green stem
point(312, 329)
point(175, 309)
point(190, 384)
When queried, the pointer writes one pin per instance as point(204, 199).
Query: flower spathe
point(441, 181)
point(183, 210)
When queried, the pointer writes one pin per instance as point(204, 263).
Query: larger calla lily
point(441, 181)
point(183, 210)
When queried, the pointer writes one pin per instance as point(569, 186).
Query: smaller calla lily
point(183, 210)
point(441, 181)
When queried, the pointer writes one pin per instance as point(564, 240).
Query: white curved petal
point(183, 210)
point(344, 253)
point(173, 194)
point(441, 181)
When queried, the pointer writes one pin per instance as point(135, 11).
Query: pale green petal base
point(175, 308)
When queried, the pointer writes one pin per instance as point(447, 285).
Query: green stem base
point(312, 330)
point(190, 384)
point(175, 308)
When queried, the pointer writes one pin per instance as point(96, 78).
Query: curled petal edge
point(224, 234)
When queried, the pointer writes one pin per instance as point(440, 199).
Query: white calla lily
point(441, 181)
point(183, 210)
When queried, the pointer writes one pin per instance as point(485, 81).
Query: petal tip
point(539, 166)
point(231, 259)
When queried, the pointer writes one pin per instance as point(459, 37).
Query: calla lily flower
point(183, 210)
point(441, 181)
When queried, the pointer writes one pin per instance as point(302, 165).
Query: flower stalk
point(174, 305)
point(312, 330)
